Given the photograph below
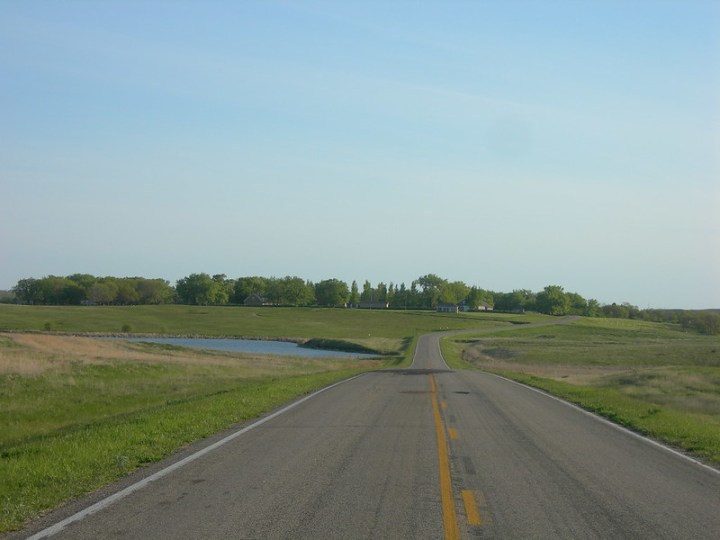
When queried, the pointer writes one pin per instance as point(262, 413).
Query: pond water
point(283, 348)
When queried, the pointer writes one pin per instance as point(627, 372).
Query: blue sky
point(505, 144)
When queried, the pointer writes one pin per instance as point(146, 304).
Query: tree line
point(78, 289)
point(425, 292)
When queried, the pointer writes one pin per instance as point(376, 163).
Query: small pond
point(283, 348)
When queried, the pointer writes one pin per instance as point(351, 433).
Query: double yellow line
point(447, 499)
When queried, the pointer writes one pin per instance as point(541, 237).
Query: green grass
point(653, 378)
point(602, 342)
point(243, 321)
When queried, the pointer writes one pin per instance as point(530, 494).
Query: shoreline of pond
point(339, 348)
point(254, 346)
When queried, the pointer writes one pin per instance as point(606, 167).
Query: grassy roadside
point(653, 378)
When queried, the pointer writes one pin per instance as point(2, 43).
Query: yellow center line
point(471, 508)
point(450, 525)
point(453, 433)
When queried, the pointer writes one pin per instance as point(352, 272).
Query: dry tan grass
point(573, 374)
point(35, 354)
point(580, 375)
point(387, 345)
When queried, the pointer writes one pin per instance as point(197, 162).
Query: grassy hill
point(240, 321)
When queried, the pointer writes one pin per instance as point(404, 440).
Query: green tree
point(331, 292)
point(552, 300)
point(391, 291)
point(381, 292)
point(414, 299)
point(311, 293)
point(61, 291)
point(593, 308)
point(368, 293)
point(73, 294)
point(29, 291)
point(577, 304)
point(453, 292)
point(622, 311)
point(517, 300)
point(274, 291)
point(51, 287)
point(245, 286)
point(614, 311)
point(85, 281)
point(127, 294)
point(705, 322)
point(153, 291)
point(199, 289)
point(477, 296)
point(399, 299)
point(354, 294)
point(103, 293)
point(473, 298)
point(431, 286)
point(296, 291)
point(222, 290)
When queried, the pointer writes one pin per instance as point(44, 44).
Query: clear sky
point(506, 144)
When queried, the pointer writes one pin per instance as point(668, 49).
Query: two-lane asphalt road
point(420, 453)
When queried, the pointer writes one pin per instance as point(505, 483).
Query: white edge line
point(612, 424)
point(104, 503)
point(439, 350)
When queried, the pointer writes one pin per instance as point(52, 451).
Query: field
point(77, 413)
point(287, 323)
point(653, 378)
